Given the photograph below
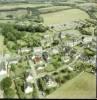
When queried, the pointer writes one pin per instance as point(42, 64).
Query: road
point(49, 73)
point(34, 76)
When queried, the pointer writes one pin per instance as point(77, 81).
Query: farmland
point(79, 87)
point(64, 16)
point(20, 5)
point(47, 49)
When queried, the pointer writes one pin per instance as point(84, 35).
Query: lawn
point(64, 16)
point(82, 86)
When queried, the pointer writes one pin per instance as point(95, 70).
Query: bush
point(49, 68)
point(6, 83)
point(9, 93)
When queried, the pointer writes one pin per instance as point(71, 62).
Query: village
point(44, 62)
point(35, 70)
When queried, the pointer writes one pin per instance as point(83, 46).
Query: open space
point(64, 16)
point(82, 86)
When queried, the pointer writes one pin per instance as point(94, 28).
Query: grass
point(64, 16)
point(53, 9)
point(22, 5)
point(1, 43)
point(82, 86)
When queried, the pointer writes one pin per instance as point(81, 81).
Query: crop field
point(20, 5)
point(79, 87)
point(64, 16)
point(53, 8)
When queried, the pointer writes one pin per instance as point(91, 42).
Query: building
point(24, 50)
point(50, 82)
point(29, 77)
point(3, 70)
point(14, 60)
point(47, 41)
point(37, 51)
point(28, 88)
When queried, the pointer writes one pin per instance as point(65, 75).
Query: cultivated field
point(82, 86)
point(53, 8)
point(20, 5)
point(64, 16)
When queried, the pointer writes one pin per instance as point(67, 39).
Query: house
point(50, 82)
point(66, 59)
point(3, 70)
point(47, 40)
point(55, 50)
point(88, 39)
point(29, 78)
point(14, 60)
point(24, 50)
point(37, 51)
point(28, 88)
point(70, 68)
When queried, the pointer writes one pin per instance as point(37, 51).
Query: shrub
point(9, 93)
point(6, 83)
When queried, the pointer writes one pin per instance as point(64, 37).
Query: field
point(2, 46)
point(64, 16)
point(1, 43)
point(53, 8)
point(82, 86)
point(20, 5)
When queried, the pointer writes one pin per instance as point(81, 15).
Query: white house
point(70, 68)
point(24, 50)
point(3, 70)
point(55, 50)
point(51, 83)
point(88, 39)
point(14, 60)
point(37, 50)
point(29, 78)
point(28, 88)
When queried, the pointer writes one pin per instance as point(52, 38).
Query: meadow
point(53, 9)
point(82, 86)
point(20, 5)
point(64, 16)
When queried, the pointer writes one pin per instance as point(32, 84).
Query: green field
point(20, 5)
point(82, 86)
point(1, 43)
point(53, 8)
point(64, 16)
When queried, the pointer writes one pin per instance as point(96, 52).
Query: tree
point(6, 83)
point(9, 93)
point(42, 84)
point(89, 53)
point(35, 92)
